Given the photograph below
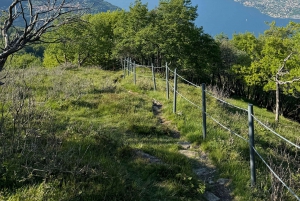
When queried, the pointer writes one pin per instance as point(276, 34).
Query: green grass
point(231, 154)
point(73, 134)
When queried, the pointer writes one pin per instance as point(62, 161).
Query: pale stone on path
point(189, 154)
point(210, 196)
point(185, 145)
point(202, 171)
point(223, 181)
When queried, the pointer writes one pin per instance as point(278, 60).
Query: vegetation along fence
point(130, 67)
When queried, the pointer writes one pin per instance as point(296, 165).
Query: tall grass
point(76, 134)
point(231, 154)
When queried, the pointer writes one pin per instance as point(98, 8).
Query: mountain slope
point(275, 8)
point(95, 5)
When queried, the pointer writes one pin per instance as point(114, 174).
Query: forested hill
point(275, 8)
point(95, 5)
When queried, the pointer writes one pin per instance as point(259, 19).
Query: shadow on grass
point(94, 167)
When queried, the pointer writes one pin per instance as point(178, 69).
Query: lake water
point(227, 16)
point(230, 17)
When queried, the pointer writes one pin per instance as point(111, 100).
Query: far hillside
point(275, 8)
point(95, 5)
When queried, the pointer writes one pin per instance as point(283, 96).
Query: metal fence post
point(153, 77)
point(251, 144)
point(134, 73)
point(124, 69)
point(167, 82)
point(175, 91)
point(128, 66)
point(203, 111)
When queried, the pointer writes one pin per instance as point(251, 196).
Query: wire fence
point(251, 117)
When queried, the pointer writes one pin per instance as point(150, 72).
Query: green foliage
point(251, 66)
point(87, 42)
point(268, 53)
point(23, 61)
point(71, 46)
point(167, 34)
point(164, 34)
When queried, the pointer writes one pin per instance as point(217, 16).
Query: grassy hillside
point(78, 134)
point(83, 133)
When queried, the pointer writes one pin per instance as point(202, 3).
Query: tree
point(26, 21)
point(273, 64)
point(282, 72)
point(166, 34)
point(72, 43)
point(232, 60)
point(103, 39)
point(177, 30)
point(87, 42)
point(128, 27)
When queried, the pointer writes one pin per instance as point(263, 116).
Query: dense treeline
point(165, 34)
point(262, 69)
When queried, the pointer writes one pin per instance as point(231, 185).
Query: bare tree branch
point(34, 18)
point(279, 72)
point(289, 82)
point(278, 82)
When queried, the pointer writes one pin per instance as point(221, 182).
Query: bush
point(23, 61)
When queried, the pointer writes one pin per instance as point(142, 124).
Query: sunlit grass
point(78, 140)
point(78, 131)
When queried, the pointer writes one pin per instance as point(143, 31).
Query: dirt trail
point(217, 188)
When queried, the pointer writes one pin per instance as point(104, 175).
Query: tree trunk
point(2, 62)
point(277, 101)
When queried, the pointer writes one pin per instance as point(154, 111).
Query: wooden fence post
point(251, 145)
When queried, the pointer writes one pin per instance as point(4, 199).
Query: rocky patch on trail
point(207, 172)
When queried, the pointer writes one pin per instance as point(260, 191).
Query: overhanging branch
point(37, 18)
point(288, 82)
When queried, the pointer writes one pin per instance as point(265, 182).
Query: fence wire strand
point(265, 126)
point(172, 87)
point(226, 128)
point(188, 100)
point(273, 172)
point(141, 66)
point(223, 101)
point(159, 67)
point(188, 81)
point(171, 71)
